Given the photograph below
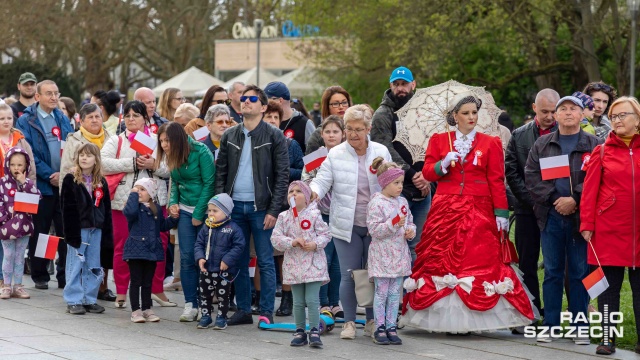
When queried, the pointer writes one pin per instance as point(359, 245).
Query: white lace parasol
point(425, 115)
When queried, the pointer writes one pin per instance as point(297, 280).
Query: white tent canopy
point(247, 77)
point(302, 82)
point(189, 82)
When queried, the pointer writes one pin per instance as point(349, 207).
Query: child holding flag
point(302, 235)
point(143, 248)
point(16, 224)
point(86, 216)
point(390, 224)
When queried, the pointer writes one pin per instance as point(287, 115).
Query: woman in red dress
point(459, 283)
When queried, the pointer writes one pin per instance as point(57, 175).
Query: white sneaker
point(369, 328)
point(189, 314)
point(348, 330)
point(544, 339)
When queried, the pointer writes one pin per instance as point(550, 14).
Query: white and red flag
point(201, 133)
point(292, 203)
point(315, 159)
point(252, 266)
point(596, 283)
point(47, 246)
point(143, 144)
point(25, 202)
point(555, 167)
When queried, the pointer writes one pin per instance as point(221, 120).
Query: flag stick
point(594, 253)
point(453, 163)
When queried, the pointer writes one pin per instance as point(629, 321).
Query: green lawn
point(630, 338)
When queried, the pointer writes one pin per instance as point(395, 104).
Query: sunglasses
point(253, 99)
point(227, 102)
point(599, 86)
point(221, 122)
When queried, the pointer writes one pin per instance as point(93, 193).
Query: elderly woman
point(218, 119)
point(90, 131)
point(119, 158)
point(459, 282)
point(192, 177)
point(335, 101)
point(332, 130)
point(347, 172)
point(185, 113)
point(608, 210)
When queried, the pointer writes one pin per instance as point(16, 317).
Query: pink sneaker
point(20, 293)
point(5, 292)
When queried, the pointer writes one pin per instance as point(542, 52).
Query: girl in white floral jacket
point(390, 224)
point(302, 235)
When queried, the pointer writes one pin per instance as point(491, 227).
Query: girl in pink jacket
point(302, 235)
point(390, 224)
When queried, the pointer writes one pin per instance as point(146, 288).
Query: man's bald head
point(545, 107)
point(146, 96)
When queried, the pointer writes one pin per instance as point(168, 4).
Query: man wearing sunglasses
point(253, 167)
point(294, 124)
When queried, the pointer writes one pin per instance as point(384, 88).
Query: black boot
point(255, 308)
point(286, 304)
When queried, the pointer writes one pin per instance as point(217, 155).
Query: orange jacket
point(484, 179)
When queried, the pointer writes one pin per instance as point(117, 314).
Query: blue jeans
point(83, 272)
point(189, 273)
point(419, 210)
point(252, 223)
point(330, 293)
point(560, 243)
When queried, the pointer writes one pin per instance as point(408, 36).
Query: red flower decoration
point(305, 224)
point(289, 133)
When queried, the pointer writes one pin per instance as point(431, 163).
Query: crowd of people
point(194, 210)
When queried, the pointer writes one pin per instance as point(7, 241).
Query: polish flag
point(47, 246)
point(555, 167)
point(596, 283)
point(25, 202)
point(143, 144)
point(396, 219)
point(201, 133)
point(252, 266)
point(292, 203)
point(315, 159)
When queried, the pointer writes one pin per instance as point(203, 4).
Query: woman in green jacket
point(192, 176)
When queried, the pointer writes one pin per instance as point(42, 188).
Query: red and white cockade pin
point(56, 132)
point(585, 161)
point(12, 192)
point(305, 224)
point(477, 160)
point(98, 193)
point(403, 210)
point(289, 133)
point(154, 128)
point(373, 171)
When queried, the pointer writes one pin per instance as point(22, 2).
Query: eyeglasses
point(295, 101)
point(221, 122)
point(182, 99)
point(621, 116)
point(227, 102)
point(253, 99)
point(357, 131)
point(51, 94)
point(339, 104)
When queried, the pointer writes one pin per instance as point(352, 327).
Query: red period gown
point(459, 282)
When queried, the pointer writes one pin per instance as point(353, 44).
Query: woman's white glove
point(503, 223)
point(452, 156)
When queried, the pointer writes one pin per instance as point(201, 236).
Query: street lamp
point(633, 10)
point(257, 26)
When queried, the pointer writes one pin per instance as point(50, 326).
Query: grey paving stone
point(58, 343)
point(103, 355)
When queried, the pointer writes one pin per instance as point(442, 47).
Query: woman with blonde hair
point(169, 101)
point(608, 217)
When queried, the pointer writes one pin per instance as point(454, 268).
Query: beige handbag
point(364, 287)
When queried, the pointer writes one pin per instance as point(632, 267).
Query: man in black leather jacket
point(253, 167)
point(527, 231)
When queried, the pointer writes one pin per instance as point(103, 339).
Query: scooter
point(326, 324)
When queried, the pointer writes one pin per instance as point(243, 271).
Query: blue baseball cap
point(277, 89)
point(401, 73)
point(573, 99)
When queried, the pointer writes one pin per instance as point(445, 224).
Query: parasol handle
point(453, 163)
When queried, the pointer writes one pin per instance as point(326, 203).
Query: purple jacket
point(14, 225)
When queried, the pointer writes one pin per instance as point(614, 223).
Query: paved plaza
point(39, 328)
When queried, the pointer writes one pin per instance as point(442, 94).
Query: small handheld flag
point(396, 219)
point(47, 246)
point(596, 283)
point(201, 133)
point(143, 144)
point(25, 202)
point(252, 266)
point(292, 203)
point(315, 159)
point(555, 167)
